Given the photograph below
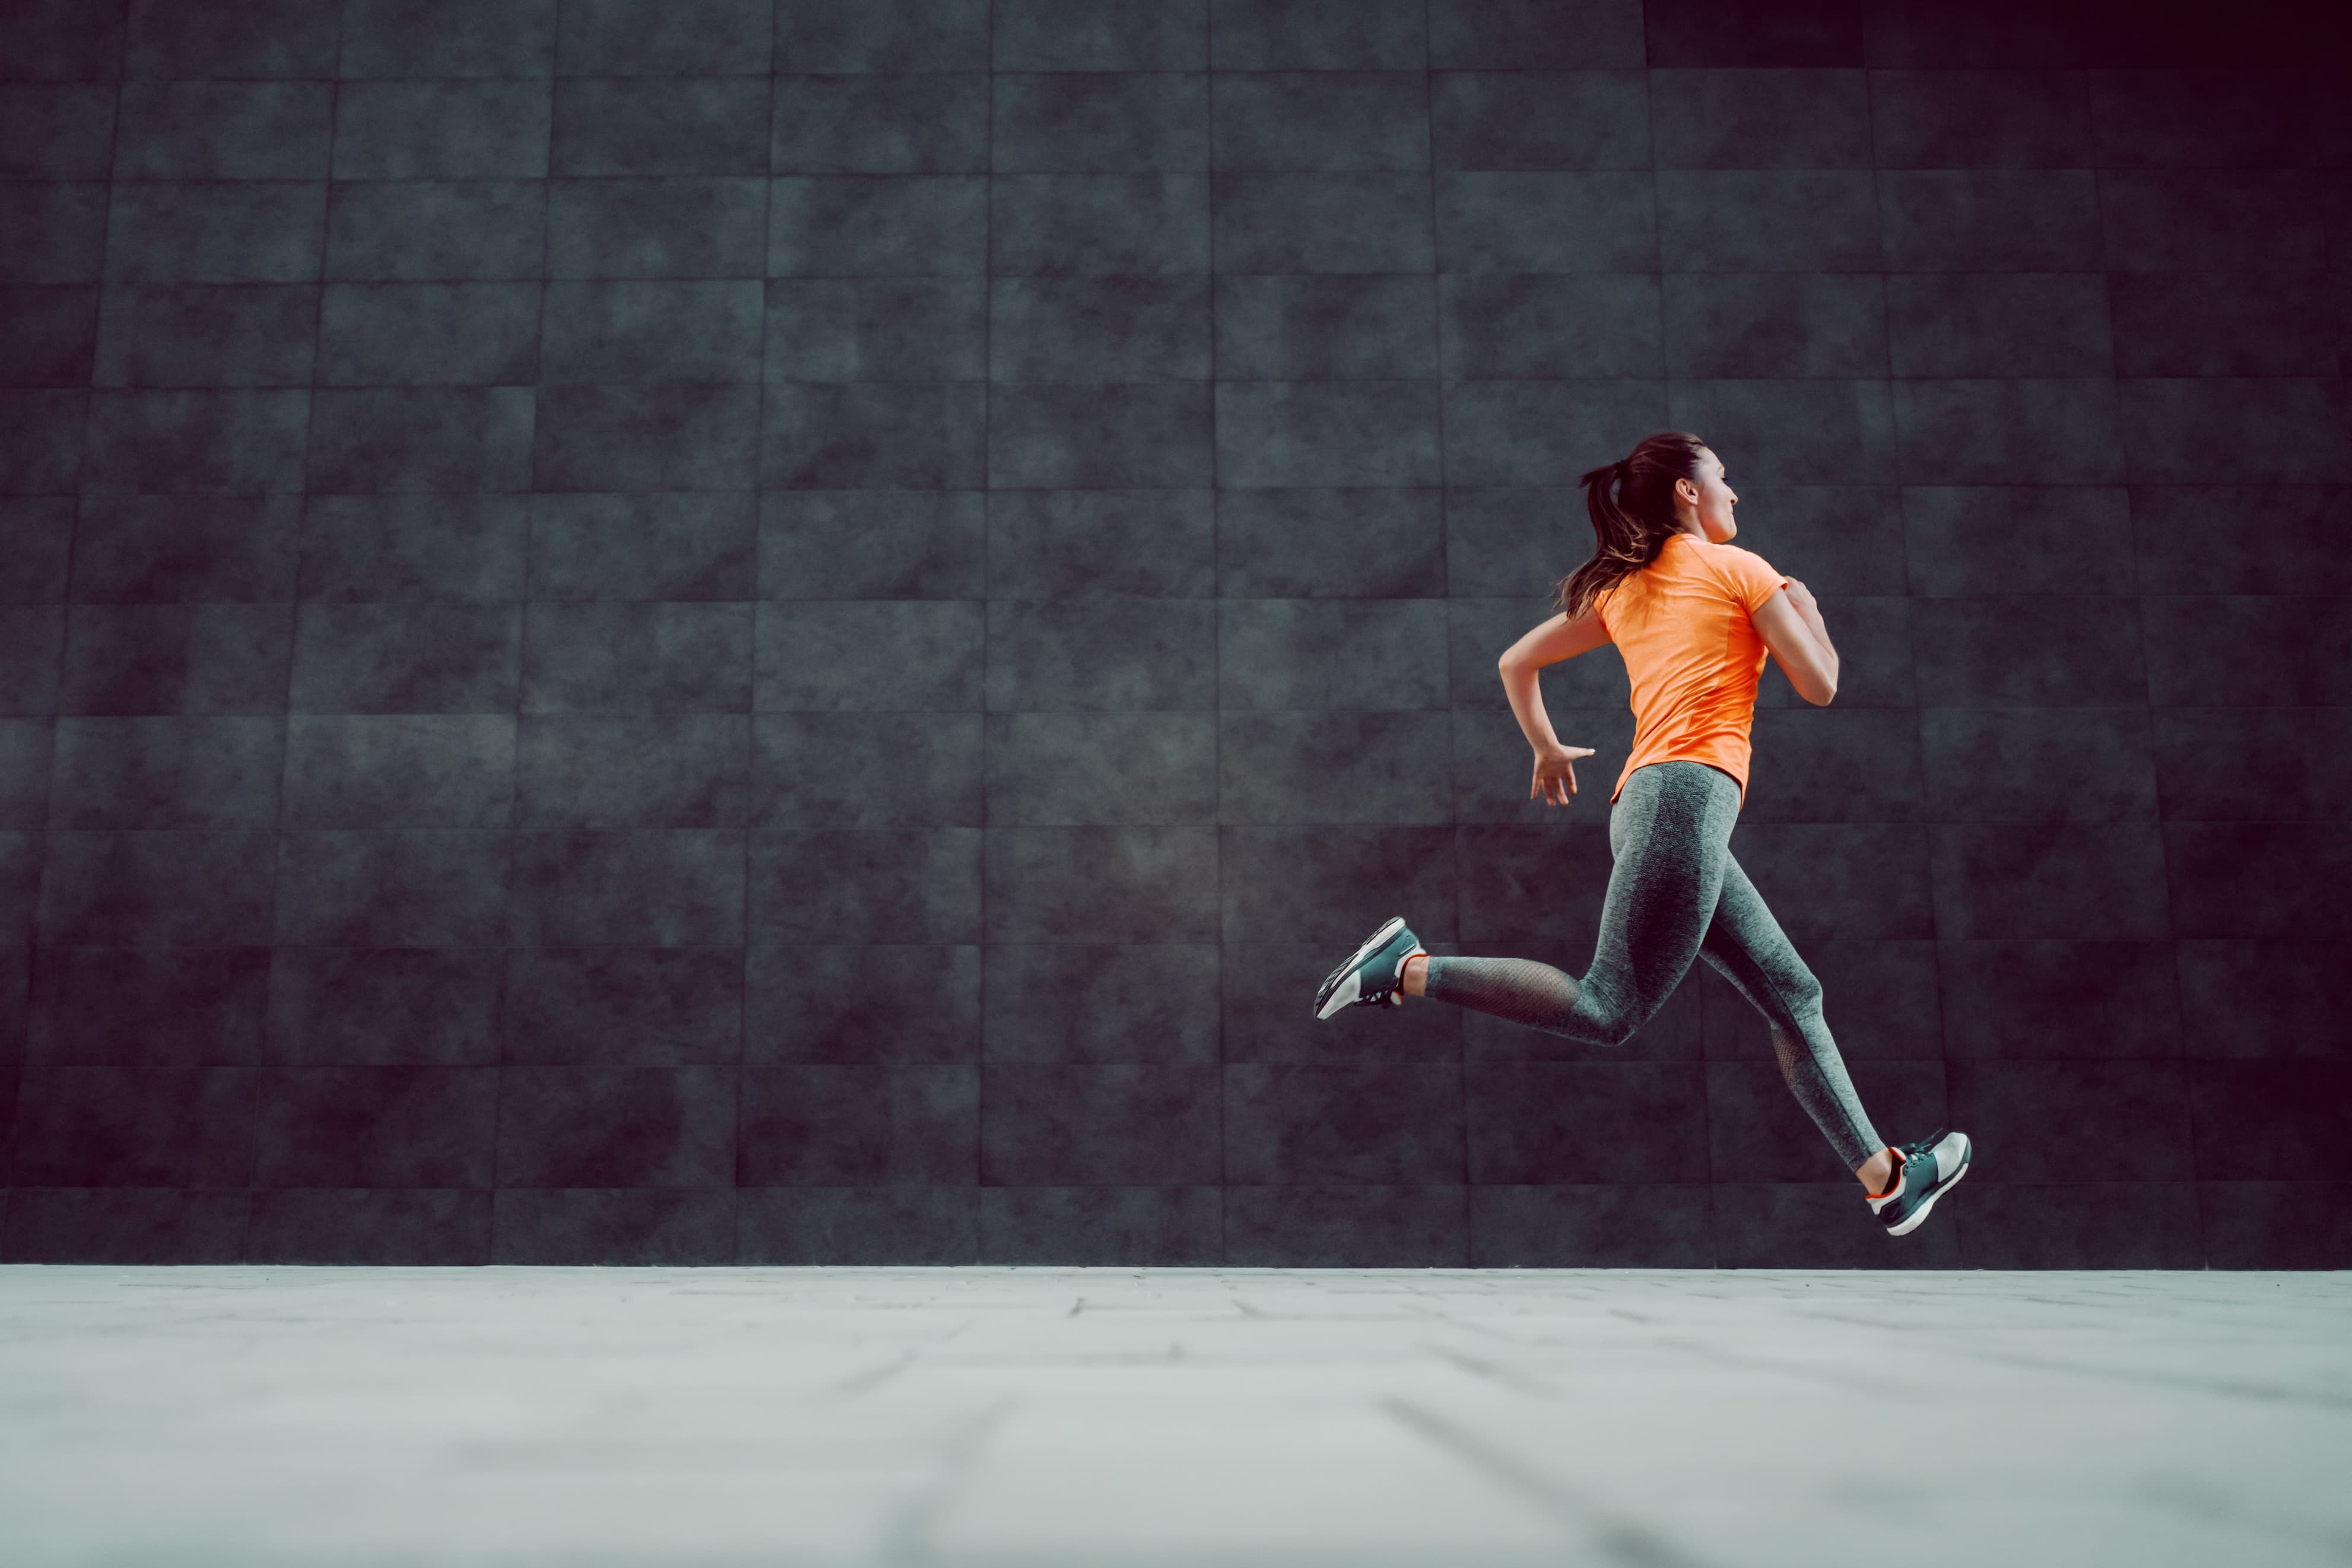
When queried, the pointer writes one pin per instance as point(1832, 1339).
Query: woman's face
point(1709, 498)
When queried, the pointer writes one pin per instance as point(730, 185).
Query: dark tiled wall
point(699, 630)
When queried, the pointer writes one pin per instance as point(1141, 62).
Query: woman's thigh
point(1670, 834)
point(1746, 945)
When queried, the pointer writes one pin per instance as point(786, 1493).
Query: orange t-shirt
point(1691, 652)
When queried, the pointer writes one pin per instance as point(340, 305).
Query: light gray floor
point(270, 1416)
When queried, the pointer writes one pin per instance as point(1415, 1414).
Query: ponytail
point(1632, 504)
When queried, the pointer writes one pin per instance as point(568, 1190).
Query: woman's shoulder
point(1723, 552)
point(1734, 560)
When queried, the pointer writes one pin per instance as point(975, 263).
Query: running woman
point(1693, 616)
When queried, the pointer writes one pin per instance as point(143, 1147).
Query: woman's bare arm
point(1521, 666)
point(1789, 622)
point(1557, 640)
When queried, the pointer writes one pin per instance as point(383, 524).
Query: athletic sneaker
point(1927, 1171)
point(1370, 977)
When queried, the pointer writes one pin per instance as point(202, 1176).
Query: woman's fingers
point(1555, 776)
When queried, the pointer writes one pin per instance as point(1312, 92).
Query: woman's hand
point(1555, 778)
point(1801, 596)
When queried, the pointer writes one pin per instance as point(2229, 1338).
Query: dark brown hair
point(1631, 502)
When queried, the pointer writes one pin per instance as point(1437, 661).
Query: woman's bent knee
point(1797, 991)
point(1610, 1026)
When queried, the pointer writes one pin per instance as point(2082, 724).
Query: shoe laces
point(1924, 1144)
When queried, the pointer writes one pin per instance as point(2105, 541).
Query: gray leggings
point(1676, 896)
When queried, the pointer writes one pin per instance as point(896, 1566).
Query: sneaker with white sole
point(1372, 973)
point(1928, 1169)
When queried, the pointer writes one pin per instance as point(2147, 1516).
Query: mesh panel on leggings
point(1518, 989)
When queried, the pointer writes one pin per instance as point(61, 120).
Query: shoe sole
point(1919, 1214)
point(1379, 940)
